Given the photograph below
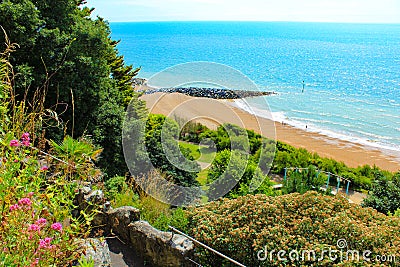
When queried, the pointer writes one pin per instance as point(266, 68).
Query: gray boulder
point(96, 250)
point(161, 248)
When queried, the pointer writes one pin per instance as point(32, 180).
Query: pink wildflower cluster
point(14, 207)
point(25, 141)
point(25, 202)
point(46, 243)
point(34, 228)
point(38, 225)
point(44, 168)
point(56, 227)
point(41, 222)
point(14, 143)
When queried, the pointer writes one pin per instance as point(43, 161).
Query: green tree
point(71, 56)
point(162, 147)
point(385, 195)
point(234, 172)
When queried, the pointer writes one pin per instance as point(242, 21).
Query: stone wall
point(158, 247)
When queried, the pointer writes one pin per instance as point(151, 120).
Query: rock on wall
point(158, 247)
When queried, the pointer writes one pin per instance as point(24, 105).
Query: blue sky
point(373, 11)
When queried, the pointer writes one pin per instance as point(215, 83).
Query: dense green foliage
point(72, 58)
point(121, 193)
point(385, 195)
point(236, 163)
point(242, 227)
point(230, 166)
point(361, 177)
point(285, 156)
point(303, 181)
point(162, 138)
point(383, 185)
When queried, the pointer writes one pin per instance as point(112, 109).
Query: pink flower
point(42, 244)
point(45, 243)
point(44, 168)
point(14, 143)
point(41, 221)
point(25, 136)
point(25, 139)
point(30, 194)
point(56, 226)
point(34, 227)
point(26, 143)
point(25, 202)
point(14, 207)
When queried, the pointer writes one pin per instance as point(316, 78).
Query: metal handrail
point(205, 246)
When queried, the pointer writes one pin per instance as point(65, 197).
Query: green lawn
point(199, 153)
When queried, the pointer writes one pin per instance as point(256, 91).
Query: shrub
point(241, 228)
point(120, 193)
point(30, 236)
point(385, 195)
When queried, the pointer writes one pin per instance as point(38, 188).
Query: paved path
point(123, 255)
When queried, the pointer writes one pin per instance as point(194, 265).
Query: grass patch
point(207, 154)
point(199, 153)
point(202, 177)
point(194, 149)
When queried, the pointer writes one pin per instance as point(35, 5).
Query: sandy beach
point(212, 113)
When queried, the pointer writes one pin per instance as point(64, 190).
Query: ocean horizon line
point(259, 21)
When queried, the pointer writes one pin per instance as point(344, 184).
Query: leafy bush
point(30, 236)
point(385, 195)
point(162, 135)
point(301, 181)
point(120, 193)
point(80, 156)
point(241, 228)
point(175, 218)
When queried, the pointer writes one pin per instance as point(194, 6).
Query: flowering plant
point(28, 238)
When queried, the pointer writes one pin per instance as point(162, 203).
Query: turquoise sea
point(351, 71)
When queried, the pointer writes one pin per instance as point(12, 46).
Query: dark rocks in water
point(214, 93)
point(138, 81)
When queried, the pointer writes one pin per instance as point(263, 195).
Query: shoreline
point(211, 113)
point(327, 134)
